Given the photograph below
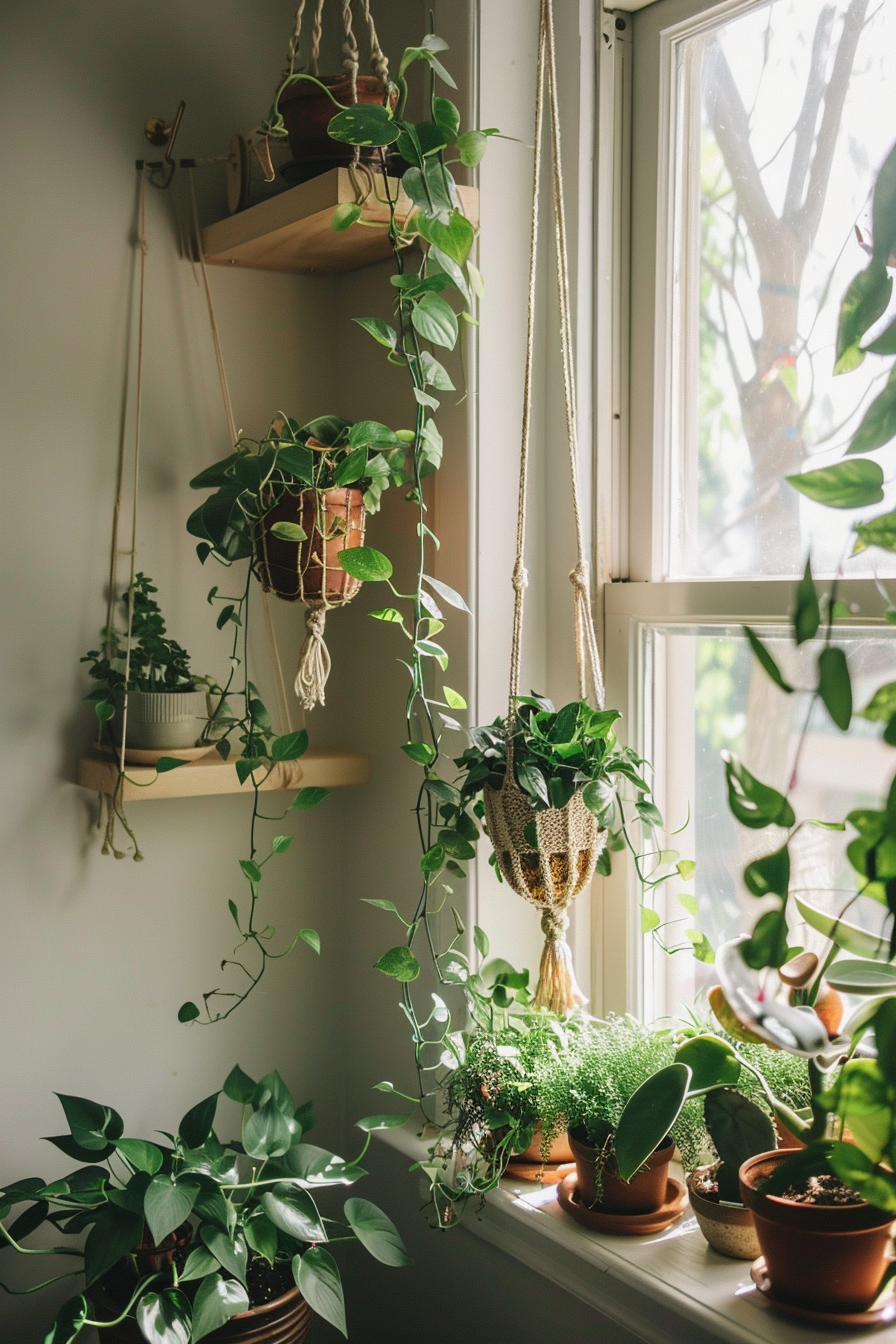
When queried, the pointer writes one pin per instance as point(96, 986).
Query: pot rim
point(276, 1304)
point(305, 89)
point(713, 1208)
point(667, 1146)
point(776, 1208)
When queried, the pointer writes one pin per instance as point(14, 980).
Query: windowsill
point(662, 1288)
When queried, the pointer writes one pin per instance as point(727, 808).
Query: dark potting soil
point(265, 1281)
point(707, 1188)
point(822, 1190)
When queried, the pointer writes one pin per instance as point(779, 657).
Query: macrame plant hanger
point(551, 874)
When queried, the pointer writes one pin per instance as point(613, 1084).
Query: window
point(757, 131)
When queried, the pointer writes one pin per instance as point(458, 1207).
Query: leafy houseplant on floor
point(144, 689)
point(193, 1236)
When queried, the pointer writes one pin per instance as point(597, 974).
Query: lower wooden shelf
point(211, 775)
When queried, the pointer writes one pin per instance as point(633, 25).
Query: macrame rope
point(316, 32)
point(292, 50)
point(314, 658)
point(587, 654)
point(274, 652)
point(378, 63)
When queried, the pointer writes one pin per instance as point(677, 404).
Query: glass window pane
point(704, 693)
point(783, 115)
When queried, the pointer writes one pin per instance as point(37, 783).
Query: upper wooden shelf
point(211, 775)
point(293, 231)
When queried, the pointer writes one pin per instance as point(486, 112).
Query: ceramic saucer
point(882, 1314)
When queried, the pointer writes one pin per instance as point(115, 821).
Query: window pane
point(704, 694)
point(782, 117)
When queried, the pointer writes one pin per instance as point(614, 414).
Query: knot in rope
point(554, 923)
point(578, 577)
point(520, 576)
point(314, 659)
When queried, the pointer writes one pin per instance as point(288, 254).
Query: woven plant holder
point(309, 571)
point(570, 839)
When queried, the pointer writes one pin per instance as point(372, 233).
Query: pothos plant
point(184, 1231)
point(863, 1096)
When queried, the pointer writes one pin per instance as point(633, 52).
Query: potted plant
point(166, 705)
point(295, 503)
point(623, 1147)
point(191, 1237)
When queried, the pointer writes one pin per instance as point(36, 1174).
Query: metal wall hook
point(160, 132)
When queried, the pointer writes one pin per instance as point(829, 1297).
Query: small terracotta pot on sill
point(826, 1258)
point(727, 1229)
point(559, 1150)
point(644, 1193)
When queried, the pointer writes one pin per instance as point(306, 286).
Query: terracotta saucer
point(539, 1173)
point(880, 1315)
point(623, 1224)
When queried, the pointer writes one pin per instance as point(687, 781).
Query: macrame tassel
point(314, 659)
point(557, 988)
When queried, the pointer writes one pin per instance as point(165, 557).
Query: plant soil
point(822, 1190)
point(266, 1282)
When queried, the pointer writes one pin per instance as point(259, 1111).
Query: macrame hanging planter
point(553, 872)
point(309, 571)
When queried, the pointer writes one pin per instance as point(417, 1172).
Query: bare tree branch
point(731, 128)
point(808, 118)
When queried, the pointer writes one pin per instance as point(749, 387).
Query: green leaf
point(261, 1236)
point(141, 1155)
point(834, 685)
point(687, 902)
point(366, 564)
point(739, 1130)
point(231, 1253)
point(754, 804)
point(280, 844)
point(364, 124)
point(434, 373)
point(294, 1212)
point(388, 614)
point(648, 1116)
point(862, 977)
point(421, 752)
point(453, 698)
point(372, 434)
point(266, 1132)
point(650, 919)
point(115, 1233)
point(850, 937)
point(216, 1301)
point(446, 117)
point(187, 1012)
point(480, 941)
point(686, 869)
point(712, 1062)
point(317, 1276)
point(288, 532)
point(455, 238)
point(806, 614)
point(767, 945)
point(766, 660)
point(69, 1320)
point(770, 874)
point(290, 746)
point(164, 1317)
point(200, 1262)
point(306, 799)
point(882, 705)
point(846, 485)
point(879, 531)
point(372, 1122)
point(376, 1233)
point(883, 211)
point(166, 1204)
point(878, 426)
point(238, 1086)
point(471, 147)
point(873, 1183)
point(196, 1125)
point(92, 1126)
point(312, 938)
point(866, 299)
point(435, 320)
point(251, 870)
point(399, 963)
point(345, 215)
point(379, 330)
point(380, 905)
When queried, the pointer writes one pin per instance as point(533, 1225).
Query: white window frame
point(634, 334)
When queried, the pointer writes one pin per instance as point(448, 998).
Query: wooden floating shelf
point(210, 775)
point(293, 232)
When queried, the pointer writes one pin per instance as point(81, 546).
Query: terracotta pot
point(821, 1257)
point(785, 1138)
point(333, 521)
point(286, 1320)
point(307, 112)
point(728, 1230)
point(644, 1193)
point(559, 1151)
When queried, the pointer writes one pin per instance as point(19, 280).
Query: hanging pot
point(570, 842)
point(307, 112)
point(824, 1257)
point(644, 1193)
point(285, 1320)
point(309, 571)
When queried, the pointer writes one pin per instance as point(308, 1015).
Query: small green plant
point(324, 453)
point(235, 1216)
point(739, 1129)
point(157, 663)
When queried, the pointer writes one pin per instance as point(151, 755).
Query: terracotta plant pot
point(644, 1193)
point(728, 1230)
point(823, 1257)
point(307, 112)
point(309, 570)
point(559, 1151)
point(286, 1320)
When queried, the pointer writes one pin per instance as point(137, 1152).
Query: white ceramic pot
point(164, 720)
